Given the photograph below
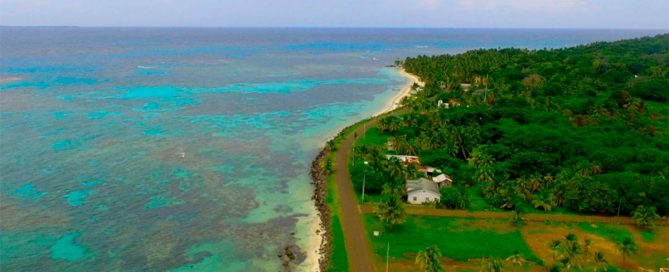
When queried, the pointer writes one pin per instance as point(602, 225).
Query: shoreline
point(319, 177)
point(319, 180)
point(405, 91)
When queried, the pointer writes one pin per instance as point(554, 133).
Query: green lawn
point(372, 137)
point(476, 200)
point(338, 257)
point(647, 235)
point(339, 260)
point(612, 232)
point(457, 238)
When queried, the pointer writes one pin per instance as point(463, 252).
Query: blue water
point(188, 149)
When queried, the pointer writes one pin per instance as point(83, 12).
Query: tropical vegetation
point(582, 129)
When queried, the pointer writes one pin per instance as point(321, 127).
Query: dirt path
point(357, 246)
point(536, 217)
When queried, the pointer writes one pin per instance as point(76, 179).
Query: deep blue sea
point(188, 149)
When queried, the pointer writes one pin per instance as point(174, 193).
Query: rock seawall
point(319, 180)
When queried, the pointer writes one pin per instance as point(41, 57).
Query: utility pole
point(364, 178)
point(485, 93)
point(364, 130)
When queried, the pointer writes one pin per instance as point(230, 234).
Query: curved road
point(357, 246)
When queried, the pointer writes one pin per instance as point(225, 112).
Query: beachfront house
point(405, 159)
point(421, 191)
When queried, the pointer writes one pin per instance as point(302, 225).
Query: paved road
point(537, 217)
point(357, 246)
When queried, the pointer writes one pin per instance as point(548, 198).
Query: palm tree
point(412, 171)
point(567, 251)
point(403, 146)
point(428, 260)
point(491, 265)
point(517, 217)
point(396, 168)
point(484, 165)
point(544, 199)
point(600, 261)
point(516, 258)
point(586, 247)
point(424, 142)
point(645, 217)
point(391, 212)
point(393, 124)
point(456, 137)
point(628, 247)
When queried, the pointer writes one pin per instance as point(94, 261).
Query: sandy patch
point(404, 92)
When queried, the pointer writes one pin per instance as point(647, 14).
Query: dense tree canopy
point(583, 128)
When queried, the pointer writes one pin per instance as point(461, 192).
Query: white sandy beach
point(313, 250)
point(404, 92)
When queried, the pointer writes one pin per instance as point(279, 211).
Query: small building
point(441, 104)
point(405, 159)
point(421, 191)
point(443, 180)
point(429, 170)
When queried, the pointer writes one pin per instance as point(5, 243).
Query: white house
point(421, 191)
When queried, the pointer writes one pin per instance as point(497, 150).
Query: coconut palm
point(396, 168)
point(403, 146)
point(601, 262)
point(428, 260)
point(457, 137)
point(568, 251)
point(516, 258)
point(491, 265)
point(424, 142)
point(517, 217)
point(627, 247)
point(645, 217)
point(391, 212)
point(483, 163)
point(544, 199)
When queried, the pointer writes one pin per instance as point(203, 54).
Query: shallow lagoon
point(188, 149)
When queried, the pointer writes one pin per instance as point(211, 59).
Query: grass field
point(613, 233)
point(338, 257)
point(458, 239)
point(372, 137)
point(464, 242)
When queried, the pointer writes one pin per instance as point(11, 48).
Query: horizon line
point(336, 27)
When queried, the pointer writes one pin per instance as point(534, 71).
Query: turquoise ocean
point(188, 149)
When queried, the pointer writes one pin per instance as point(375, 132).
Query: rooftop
point(422, 184)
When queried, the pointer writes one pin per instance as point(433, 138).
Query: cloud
point(525, 5)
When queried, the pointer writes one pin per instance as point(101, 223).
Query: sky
point(609, 14)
